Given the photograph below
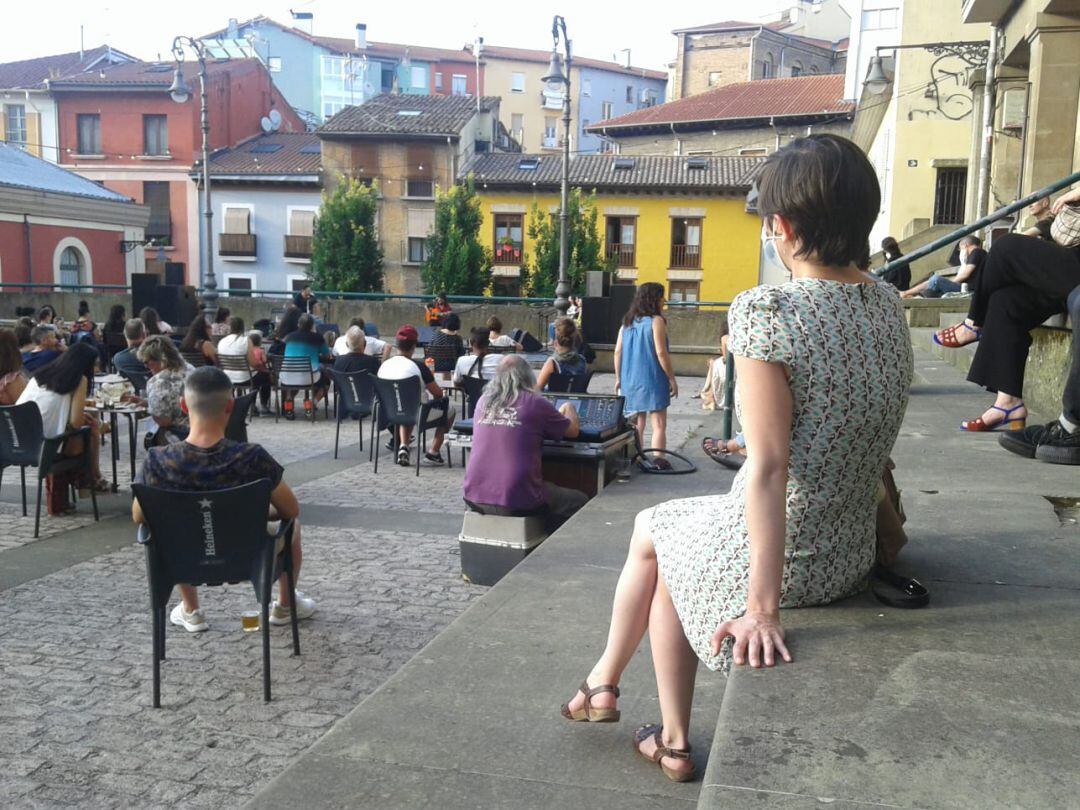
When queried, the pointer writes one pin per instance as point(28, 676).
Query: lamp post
point(180, 95)
point(556, 78)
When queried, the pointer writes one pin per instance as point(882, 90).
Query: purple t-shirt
point(504, 467)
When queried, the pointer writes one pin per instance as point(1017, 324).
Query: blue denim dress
point(643, 381)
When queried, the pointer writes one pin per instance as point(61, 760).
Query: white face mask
point(772, 255)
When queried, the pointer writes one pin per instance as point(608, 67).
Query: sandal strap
point(663, 751)
point(591, 692)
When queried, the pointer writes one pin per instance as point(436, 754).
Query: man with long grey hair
point(510, 424)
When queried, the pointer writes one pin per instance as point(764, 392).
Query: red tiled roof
point(278, 153)
point(150, 75)
point(763, 98)
point(31, 73)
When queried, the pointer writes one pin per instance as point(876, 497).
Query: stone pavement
point(381, 559)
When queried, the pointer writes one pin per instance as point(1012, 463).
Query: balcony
point(983, 11)
point(550, 142)
point(624, 255)
point(686, 256)
point(508, 254)
point(297, 247)
point(240, 245)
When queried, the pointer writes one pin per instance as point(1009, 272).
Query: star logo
point(206, 503)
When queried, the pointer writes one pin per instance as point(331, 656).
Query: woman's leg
point(638, 421)
point(629, 613)
point(659, 429)
point(676, 668)
point(1001, 355)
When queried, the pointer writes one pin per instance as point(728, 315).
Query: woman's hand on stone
point(757, 638)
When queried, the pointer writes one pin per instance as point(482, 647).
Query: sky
point(145, 28)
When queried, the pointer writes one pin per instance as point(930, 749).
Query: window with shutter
point(301, 223)
point(237, 220)
point(156, 197)
point(155, 135)
point(88, 126)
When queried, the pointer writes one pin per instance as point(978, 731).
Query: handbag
point(1065, 229)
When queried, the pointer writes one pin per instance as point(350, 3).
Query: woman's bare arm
point(660, 341)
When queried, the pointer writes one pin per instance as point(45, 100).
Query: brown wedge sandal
point(587, 712)
point(655, 730)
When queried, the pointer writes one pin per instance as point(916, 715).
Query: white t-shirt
point(374, 347)
point(55, 408)
point(234, 346)
point(467, 366)
point(503, 340)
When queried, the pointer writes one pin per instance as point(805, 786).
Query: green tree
point(585, 250)
point(346, 255)
point(456, 263)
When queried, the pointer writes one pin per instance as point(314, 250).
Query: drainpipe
point(29, 250)
point(678, 143)
point(772, 123)
point(987, 145)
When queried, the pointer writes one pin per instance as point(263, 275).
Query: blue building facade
point(605, 93)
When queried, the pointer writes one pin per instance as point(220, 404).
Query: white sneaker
point(305, 607)
point(194, 622)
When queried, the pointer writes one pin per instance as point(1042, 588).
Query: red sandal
point(587, 712)
point(655, 731)
point(979, 426)
point(947, 336)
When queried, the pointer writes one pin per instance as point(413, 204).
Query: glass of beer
point(249, 620)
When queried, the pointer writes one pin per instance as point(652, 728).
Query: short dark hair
point(357, 322)
point(40, 332)
point(46, 312)
point(825, 186)
point(236, 325)
point(306, 323)
point(207, 389)
point(971, 239)
point(494, 324)
point(23, 333)
point(134, 329)
point(479, 337)
point(452, 322)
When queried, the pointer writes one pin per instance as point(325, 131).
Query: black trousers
point(1070, 400)
point(1025, 281)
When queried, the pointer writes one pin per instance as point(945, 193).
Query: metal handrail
point(965, 230)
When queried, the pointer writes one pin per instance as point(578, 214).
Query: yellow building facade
point(701, 243)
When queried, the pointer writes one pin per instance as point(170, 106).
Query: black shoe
point(1057, 445)
point(1022, 442)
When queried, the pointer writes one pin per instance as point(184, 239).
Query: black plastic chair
point(445, 356)
point(138, 381)
point(196, 359)
point(237, 363)
point(473, 388)
point(23, 444)
point(355, 396)
point(213, 538)
point(398, 403)
point(569, 383)
point(236, 427)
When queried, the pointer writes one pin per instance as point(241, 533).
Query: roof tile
point(655, 172)
point(31, 73)
point(764, 98)
point(256, 157)
point(394, 114)
point(20, 169)
point(144, 74)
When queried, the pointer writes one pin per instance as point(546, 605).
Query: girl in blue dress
point(643, 370)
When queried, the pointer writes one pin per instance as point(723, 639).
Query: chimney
point(232, 30)
point(627, 57)
point(361, 36)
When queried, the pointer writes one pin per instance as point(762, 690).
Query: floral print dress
point(850, 362)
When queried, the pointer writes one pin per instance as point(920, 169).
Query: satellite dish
point(267, 124)
point(275, 119)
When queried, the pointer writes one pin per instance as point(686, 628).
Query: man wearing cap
point(440, 414)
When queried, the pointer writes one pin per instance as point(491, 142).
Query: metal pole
point(987, 144)
point(562, 289)
point(210, 295)
point(978, 225)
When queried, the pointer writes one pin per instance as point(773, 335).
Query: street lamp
point(556, 78)
point(180, 94)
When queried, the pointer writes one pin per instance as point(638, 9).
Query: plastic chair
point(445, 356)
point(196, 359)
point(213, 538)
point(237, 363)
point(23, 444)
point(138, 381)
point(398, 403)
point(569, 383)
point(236, 427)
point(473, 387)
point(293, 373)
point(355, 397)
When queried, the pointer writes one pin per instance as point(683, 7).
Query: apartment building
point(118, 126)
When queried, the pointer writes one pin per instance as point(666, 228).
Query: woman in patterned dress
point(824, 363)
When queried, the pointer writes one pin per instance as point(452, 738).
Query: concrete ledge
point(473, 722)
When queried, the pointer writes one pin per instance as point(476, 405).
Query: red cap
point(408, 332)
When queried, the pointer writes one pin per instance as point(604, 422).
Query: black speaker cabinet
point(602, 317)
point(174, 273)
point(143, 286)
point(176, 304)
point(597, 284)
